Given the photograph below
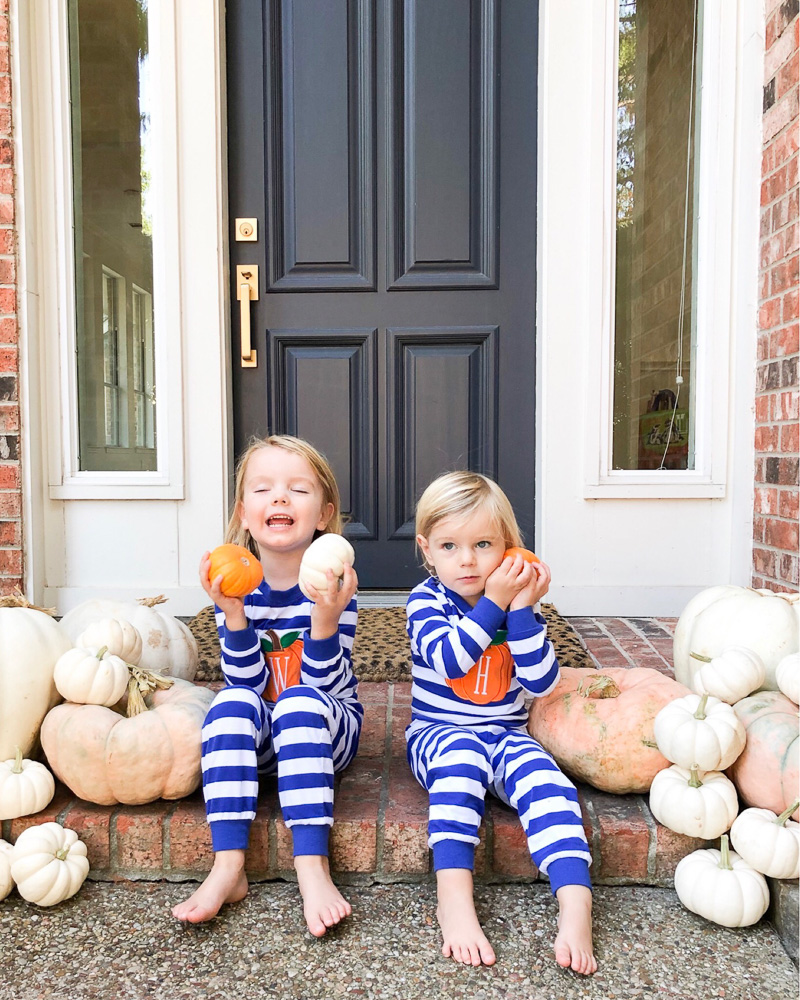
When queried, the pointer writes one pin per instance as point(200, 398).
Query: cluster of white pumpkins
point(104, 749)
point(703, 734)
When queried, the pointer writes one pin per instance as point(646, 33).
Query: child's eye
point(296, 489)
point(448, 546)
point(483, 545)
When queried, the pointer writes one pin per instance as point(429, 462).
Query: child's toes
point(563, 956)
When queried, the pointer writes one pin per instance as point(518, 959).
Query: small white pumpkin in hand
point(120, 638)
point(770, 843)
point(722, 887)
point(731, 676)
point(26, 787)
point(329, 551)
point(787, 674)
point(697, 805)
point(6, 881)
point(699, 729)
point(91, 677)
point(49, 864)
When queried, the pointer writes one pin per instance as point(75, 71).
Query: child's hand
point(535, 590)
point(329, 605)
point(235, 618)
point(511, 576)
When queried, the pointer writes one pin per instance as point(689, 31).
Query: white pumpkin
point(119, 636)
point(30, 643)
point(787, 674)
point(48, 863)
point(6, 881)
point(770, 843)
point(26, 787)
point(731, 676)
point(91, 677)
point(764, 622)
point(699, 729)
point(697, 805)
point(329, 551)
point(168, 647)
point(722, 887)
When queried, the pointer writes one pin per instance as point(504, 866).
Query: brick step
point(379, 833)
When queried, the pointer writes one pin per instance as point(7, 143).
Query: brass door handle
point(246, 292)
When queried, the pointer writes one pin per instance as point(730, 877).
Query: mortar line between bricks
point(652, 844)
point(166, 837)
point(641, 635)
point(113, 842)
point(609, 636)
point(597, 852)
point(380, 833)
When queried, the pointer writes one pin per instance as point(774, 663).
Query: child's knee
point(236, 701)
point(299, 699)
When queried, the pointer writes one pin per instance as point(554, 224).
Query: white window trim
point(48, 124)
point(715, 235)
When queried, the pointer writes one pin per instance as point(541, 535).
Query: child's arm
point(536, 664)
point(328, 644)
point(242, 660)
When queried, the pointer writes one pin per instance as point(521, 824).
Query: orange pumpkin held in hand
point(490, 678)
point(526, 554)
point(284, 656)
point(240, 570)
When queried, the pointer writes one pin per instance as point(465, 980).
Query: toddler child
point(467, 733)
point(295, 713)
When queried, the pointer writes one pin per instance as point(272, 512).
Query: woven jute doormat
point(381, 651)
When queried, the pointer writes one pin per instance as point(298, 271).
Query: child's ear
point(424, 548)
point(325, 516)
point(240, 514)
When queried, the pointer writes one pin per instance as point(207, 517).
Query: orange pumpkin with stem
point(284, 656)
point(240, 570)
point(490, 677)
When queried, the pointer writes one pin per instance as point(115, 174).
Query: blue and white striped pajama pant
point(458, 766)
point(306, 738)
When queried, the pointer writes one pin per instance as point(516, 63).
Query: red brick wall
point(10, 488)
point(775, 541)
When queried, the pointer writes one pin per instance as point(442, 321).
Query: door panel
point(387, 150)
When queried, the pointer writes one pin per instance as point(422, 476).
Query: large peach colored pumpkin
point(105, 757)
point(768, 770)
point(598, 725)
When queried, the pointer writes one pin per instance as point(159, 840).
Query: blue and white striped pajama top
point(306, 735)
point(458, 749)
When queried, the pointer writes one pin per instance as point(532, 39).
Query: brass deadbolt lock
point(246, 230)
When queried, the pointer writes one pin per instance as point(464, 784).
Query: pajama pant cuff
point(568, 871)
point(230, 834)
point(308, 838)
point(453, 854)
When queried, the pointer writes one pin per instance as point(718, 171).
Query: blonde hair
point(320, 466)
point(458, 495)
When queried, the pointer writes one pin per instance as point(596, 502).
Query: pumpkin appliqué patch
point(284, 658)
point(490, 678)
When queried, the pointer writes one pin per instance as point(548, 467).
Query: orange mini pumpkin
point(284, 656)
point(241, 572)
point(490, 677)
point(526, 554)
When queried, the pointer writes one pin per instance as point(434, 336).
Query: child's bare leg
point(225, 883)
point(464, 939)
point(323, 904)
point(573, 945)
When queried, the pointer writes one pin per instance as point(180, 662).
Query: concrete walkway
point(119, 941)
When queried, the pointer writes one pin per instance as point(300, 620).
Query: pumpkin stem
point(143, 682)
point(598, 686)
point(101, 652)
point(17, 768)
point(274, 641)
point(700, 713)
point(725, 858)
point(151, 602)
point(19, 600)
point(781, 820)
point(694, 779)
point(650, 743)
point(699, 656)
point(62, 853)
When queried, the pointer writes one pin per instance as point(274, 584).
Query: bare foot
point(323, 904)
point(464, 940)
point(225, 883)
point(573, 944)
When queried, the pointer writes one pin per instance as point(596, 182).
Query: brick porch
point(381, 812)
